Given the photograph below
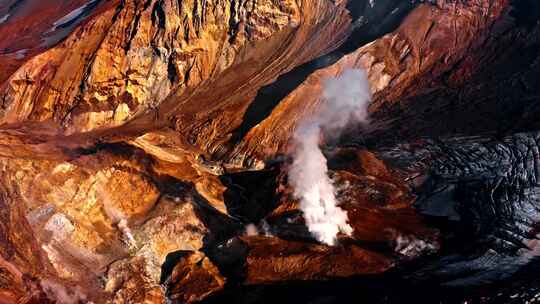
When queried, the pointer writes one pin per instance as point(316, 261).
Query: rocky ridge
point(134, 144)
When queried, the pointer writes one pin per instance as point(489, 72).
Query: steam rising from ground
point(345, 101)
point(120, 219)
point(262, 229)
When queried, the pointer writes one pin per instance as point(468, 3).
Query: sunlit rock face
point(135, 54)
point(193, 278)
point(105, 219)
point(145, 149)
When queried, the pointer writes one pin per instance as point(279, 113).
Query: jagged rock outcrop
point(193, 278)
point(21, 261)
point(429, 42)
point(271, 260)
point(130, 58)
point(112, 216)
point(490, 186)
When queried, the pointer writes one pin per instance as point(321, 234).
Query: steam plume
point(120, 219)
point(345, 101)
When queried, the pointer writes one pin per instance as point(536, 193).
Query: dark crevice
point(135, 27)
point(158, 15)
point(133, 32)
point(246, 202)
point(196, 18)
point(526, 12)
point(233, 25)
point(172, 74)
point(14, 6)
point(170, 262)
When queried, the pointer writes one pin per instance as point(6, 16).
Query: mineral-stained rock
point(135, 54)
point(271, 259)
point(106, 215)
point(108, 84)
point(128, 281)
point(21, 261)
point(180, 161)
point(193, 278)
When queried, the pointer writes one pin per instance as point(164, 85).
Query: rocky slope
point(132, 56)
point(144, 147)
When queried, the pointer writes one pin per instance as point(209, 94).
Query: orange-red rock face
point(21, 260)
point(137, 140)
point(110, 216)
point(194, 278)
point(272, 260)
point(28, 28)
point(129, 59)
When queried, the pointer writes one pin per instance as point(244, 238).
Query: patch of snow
point(21, 54)
point(73, 15)
point(4, 18)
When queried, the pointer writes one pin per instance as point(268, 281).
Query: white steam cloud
point(253, 230)
point(346, 99)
